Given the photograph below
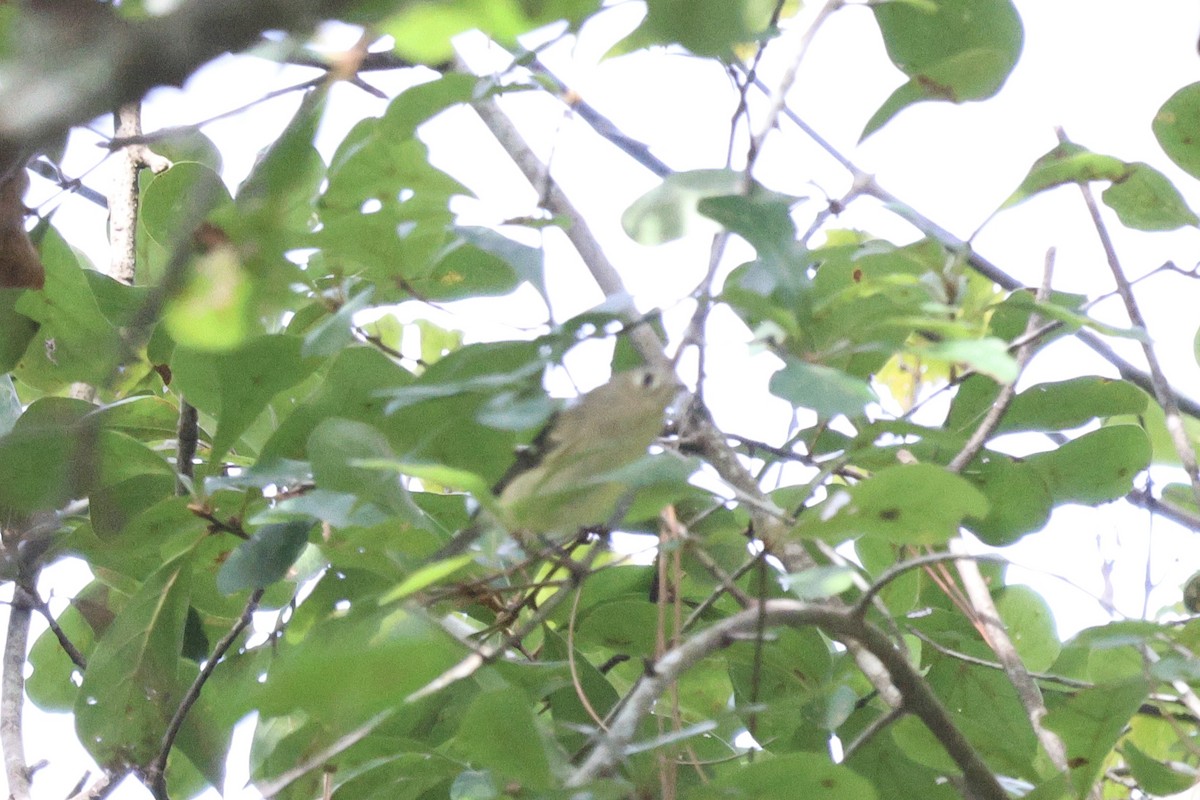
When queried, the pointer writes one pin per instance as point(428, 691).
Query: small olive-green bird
point(565, 482)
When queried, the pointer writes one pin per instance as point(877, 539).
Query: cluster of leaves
point(332, 469)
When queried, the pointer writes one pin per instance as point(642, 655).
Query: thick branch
point(12, 696)
point(102, 61)
point(123, 199)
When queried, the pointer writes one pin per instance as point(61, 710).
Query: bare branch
point(778, 97)
point(123, 199)
point(12, 695)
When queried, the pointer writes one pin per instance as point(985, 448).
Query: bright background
point(1098, 68)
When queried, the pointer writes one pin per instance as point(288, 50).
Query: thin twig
point(995, 414)
point(125, 140)
point(876, 726)
point(896, 570)
point(487, 654)
point(187, 437)
point(43, 608)
point(743, 105)
point(778, 97)
point(649, 346)
point(1160, 385)
point(320, 758)
point(1061, 680)
point(156, 773)
point(101, 788)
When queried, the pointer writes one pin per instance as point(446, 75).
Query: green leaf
point(463, 270)
point(764, 219)
point(132, 683)
point(623, 626)
point(423, 30)
point(985, 707)
point(519, 755)
point(75, 341)
point(671, 210)
point(354, 664)
point(1096, 467)
point(1071, 403)
point(1175, 126)
point(564, 702)
point(1090, 722)
point(705, 27)
point(1153, 776)
point(175, 201)
point(385, 215)
point(1067, 163)
point(818, 583)
point(421, 103)
point(1146, 200)
point(351, 389)
point(427, 576)
point(1031, 626)
point(1019, 501)
point(1154, 422)
point(808, 775)
point(213, 311)
point(266, 557)
point(342, 453)
point(989, 356)
point(1051, 406)
point(236, 386)
point(280, 190)
point(334, 333)
point(908, 504)
point(41, 465)
point(822, 389)
point(51, 686)
point(16, 329)
point(962, 50)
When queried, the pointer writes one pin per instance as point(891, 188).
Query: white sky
point(1099, 68)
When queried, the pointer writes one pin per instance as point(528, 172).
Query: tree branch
point(156, 773)
point(12, 695)
point(1160, 387)
point(123, 60)
point(696, 427)
point(123, 199)
point(36, 602)
point(839, 623)
point(978, 592)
